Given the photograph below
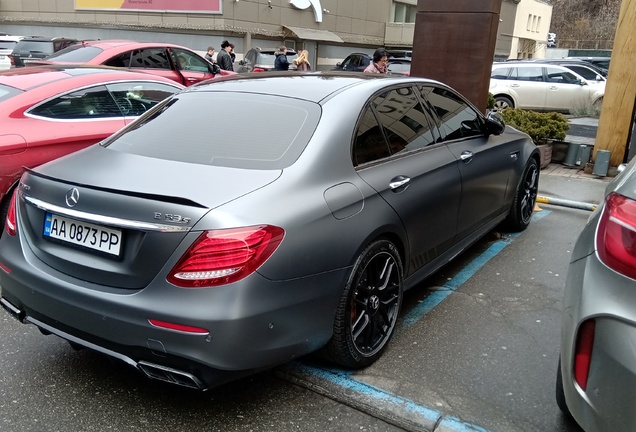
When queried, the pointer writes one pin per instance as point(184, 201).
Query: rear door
point(156, 61)
point(397, 152)
point(527, 83)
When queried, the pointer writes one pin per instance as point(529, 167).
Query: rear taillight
point(11, 59)
point(10, 224)
point(219, 257)
point(583, 352)
point(257, 69)
point(616, 236)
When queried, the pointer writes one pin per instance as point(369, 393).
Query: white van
point(7, 43)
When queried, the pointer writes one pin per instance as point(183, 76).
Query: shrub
point(542, 127)
point(490, 104)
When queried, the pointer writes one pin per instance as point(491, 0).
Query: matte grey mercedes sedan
point(251, 220)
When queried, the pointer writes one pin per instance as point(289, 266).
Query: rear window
point(277, 131)
point(45, 47)
point(7, 92)
point(75, 54)
point(7, 45)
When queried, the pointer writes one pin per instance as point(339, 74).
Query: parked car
point(50, 111)
point(201, 260)
point(155, 58)
point(596, 378)
point(399, 66)
point(7, 44)
point(542, 87)
point(33, 48)
point(262, 60)
point(356, 62)
point(587, 70)
point(400, 54)
point(602, 63)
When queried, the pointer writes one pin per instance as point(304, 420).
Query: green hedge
point(541, 127)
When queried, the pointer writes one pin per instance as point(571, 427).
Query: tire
point(560, 394)
point(525, 198)
point(369, 307)
point(502, 103)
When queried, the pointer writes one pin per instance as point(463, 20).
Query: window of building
point(529, 24)
point(403, 13)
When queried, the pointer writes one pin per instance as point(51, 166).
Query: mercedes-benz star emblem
point(72, 197)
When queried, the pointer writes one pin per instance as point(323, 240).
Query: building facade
point(328, 29)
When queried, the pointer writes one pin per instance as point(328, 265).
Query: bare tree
point(585, 21)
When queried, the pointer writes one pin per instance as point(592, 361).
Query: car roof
point(30, 77)
point(46, 39)
point(117, 43)
point(11, 38)
point(272, 50)
point(311, 86)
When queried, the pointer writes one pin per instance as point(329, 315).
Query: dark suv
point(262, 60)
point(356, 62)
point(34, 48)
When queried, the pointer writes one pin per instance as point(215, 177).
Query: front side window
point(456, 118)
point(94, 102)
point(189, 61)
point(558, 75)
point(135, 98)
point(150, 58)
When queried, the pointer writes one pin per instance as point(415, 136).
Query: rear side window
point(7, 92)
point(530, 73)
point(75, 54)
point(457, 118)
point(150, 58)
point(279, 129)
point(500, 73)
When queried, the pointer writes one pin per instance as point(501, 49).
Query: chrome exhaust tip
point(173, 376)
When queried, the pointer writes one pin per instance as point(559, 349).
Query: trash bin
point(583, 155)
point(601, 165)
point(570, 157)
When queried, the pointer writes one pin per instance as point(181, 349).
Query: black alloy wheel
point(523, 205)
point(369, 308)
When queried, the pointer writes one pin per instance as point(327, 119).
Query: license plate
point(88, 235)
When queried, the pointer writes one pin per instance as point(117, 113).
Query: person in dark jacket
point(281, 63)
point(209, 56)
point(223, 58)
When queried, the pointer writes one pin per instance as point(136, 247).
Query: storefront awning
point(313, 34)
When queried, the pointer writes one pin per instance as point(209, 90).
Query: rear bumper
point(251, 325)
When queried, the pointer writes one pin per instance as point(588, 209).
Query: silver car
point(596, 377)
point(543, 87)
point(202, 254)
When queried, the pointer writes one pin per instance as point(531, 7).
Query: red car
point(167, 60)
point(50, 111)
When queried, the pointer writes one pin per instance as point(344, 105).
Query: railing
point(585, 44)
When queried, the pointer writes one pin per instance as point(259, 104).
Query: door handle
point(466, 156)
point(399, 182)
point(514, 85)
point(553, 88)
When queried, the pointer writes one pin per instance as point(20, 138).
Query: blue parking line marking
point(344, 380)
point(460, 278)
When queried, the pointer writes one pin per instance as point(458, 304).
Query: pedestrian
point(210, 54)
point(232, 55)
point(302, 62)
point(281, 63)
point(223, 58)
point(379, 63)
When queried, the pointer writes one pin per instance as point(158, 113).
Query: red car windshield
point(77, 53)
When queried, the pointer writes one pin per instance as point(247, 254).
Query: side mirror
point(599, 78)
point(583, 82)
point(215, 68)
point(495, 124)
point(339, 64)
